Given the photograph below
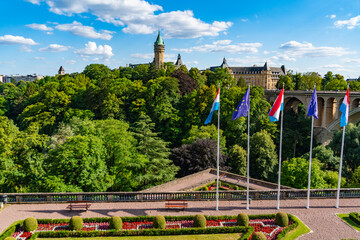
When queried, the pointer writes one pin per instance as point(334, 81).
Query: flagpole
point(311, 144)
point(248, 159)
point(340, 168)
point(217, 162)
point(280, 153)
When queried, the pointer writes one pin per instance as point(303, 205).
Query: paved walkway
point(320, 218)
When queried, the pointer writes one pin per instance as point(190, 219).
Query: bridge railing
point(187, 195)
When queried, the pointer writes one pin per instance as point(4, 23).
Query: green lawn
point(232, 236)
point(347, 219)
point(300, 230)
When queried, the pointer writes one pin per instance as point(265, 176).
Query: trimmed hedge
point(11, 229)
point(200, 221)
point(76, 223)
point(242, 219)
point(115, 223)
point(354, 216)
point(145, 232)
point(258, 236)
point(282, 219)
point(10, 238)
point(295, 223)
point(30, 224)
point(159, 222)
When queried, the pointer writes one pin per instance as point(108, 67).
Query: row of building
point(264, 76)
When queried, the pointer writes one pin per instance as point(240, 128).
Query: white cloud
point(71, 62)
point(11, 40)
point(306, 49)
point(351, 60)
point(244, 20)
point(332, 16)
point(39, 58)
point(222, 42)
point(91, 49)
point(282, 57)
point(34, 1)
point(40, 27)
point(54, 48)
point(350, 24)
point(138, 17)
point(78, 29)
point(249, 61)
point(25, 48)
point(169, 57)
point(221, 46)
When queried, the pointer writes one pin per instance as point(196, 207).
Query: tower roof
point(224, 64)
point(267, 68)
point(179, 61)
point(61, 69)
point(159, 40)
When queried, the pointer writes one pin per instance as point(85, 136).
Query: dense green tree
point(159, 168)
point(199, 78)
point(198, 156)
point(285, 81)
point(204, 132)
point(336, 83)
point(295, 173)
point(241, 82)
point(326, 156)
point(263, 157)
point(186, 83)
point(354, 86)
point(237, 160)
point(222, 76)
point(309, 79)
point(351, 147)
point(328, 77)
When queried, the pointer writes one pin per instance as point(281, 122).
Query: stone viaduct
point(328, 106)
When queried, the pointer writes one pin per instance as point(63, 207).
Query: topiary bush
point(242, 220)
point(115, 223)
point(159, 222)
point(282, 219)
point(76, 223)
point(199, 221)
point(258, 236)
point(30, 224)
point(10, 238)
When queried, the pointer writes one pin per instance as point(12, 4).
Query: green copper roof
point(159, 40)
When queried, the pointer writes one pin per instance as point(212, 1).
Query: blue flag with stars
point(243, 107)
point(313, 107)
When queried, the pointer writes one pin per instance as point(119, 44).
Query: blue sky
point(38, 36)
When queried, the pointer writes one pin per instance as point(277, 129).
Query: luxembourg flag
point(214, 107)
point(344, 109)
point(277, 107)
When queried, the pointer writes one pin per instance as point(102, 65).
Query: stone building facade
point(263, 76)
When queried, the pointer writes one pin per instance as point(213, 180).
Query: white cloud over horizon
point(40, 27)
point(223, 46)
point(306, 49)
point(91, 49)
point(13, 40)
point(76, 28)
point(138, 17)
point(350, 23)
point(54, 48)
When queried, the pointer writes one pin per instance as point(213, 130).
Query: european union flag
point(313, 107)
point(243, 107)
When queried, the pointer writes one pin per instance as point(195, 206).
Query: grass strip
point(348, 220)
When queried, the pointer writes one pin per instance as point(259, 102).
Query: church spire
point(159, 40)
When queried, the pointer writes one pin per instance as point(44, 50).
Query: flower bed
point(142, 226)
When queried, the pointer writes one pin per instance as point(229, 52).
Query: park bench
point(171, 203)
point(78, 205)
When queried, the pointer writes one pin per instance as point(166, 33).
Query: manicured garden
point(241, 226)
point(223, 186)
point(353, 219)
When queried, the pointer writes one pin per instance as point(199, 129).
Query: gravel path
point(320, 218)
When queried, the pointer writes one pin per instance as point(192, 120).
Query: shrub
point(159, 222)
point(282, 219)
point(258, 236)
point(30, 224)
point(115, 223)
point(76, 223)
point(243, 219)
point(10, 238)
point(199, 221)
